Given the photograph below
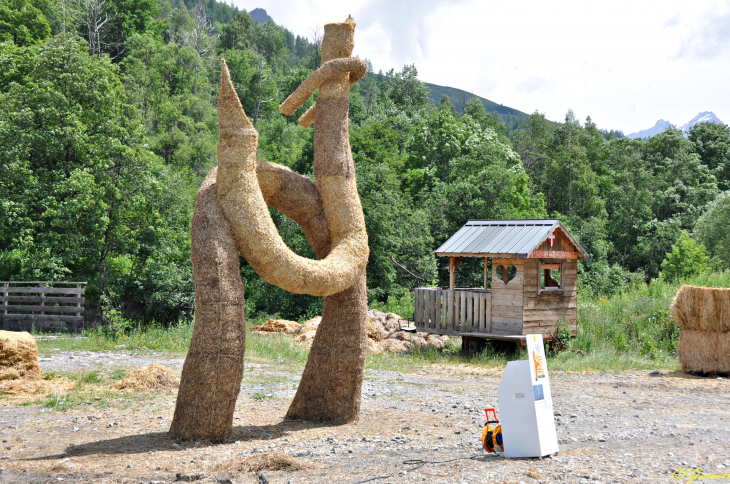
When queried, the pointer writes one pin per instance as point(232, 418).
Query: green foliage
point(23, 22)
point(686, 259)
point(713, 231)
point(712, 143)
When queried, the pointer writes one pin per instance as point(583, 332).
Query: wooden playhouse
point(533, 282)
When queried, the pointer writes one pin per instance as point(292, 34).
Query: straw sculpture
point(703, 313)
point(231, 216)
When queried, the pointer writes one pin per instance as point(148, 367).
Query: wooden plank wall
point(561, 242)
point(507, 299)
point(452, 312)
point(43, 305)
point(543, 312)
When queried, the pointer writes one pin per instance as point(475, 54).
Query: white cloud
point(616, 62)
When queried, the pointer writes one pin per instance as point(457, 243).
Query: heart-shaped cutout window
point(506, 273)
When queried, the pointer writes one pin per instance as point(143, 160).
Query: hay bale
point(436, 340)
point(395, 346)
point(151, 377)
point(704, 351)
point(702, 308)
point(278, 326)
point(374, 347)
point(376, 331)
point(18, 356)
point(308, 330)
point(267, 461)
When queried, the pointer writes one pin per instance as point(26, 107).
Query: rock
point(263, 479)
point(222, 480)
point(177, 447)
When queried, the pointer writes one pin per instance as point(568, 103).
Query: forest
point(108, 126)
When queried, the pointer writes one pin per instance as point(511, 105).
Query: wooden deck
point(455, 312)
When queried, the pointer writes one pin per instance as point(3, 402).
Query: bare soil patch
point(417, 427)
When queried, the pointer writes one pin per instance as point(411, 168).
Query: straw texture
point(18, 356)
point(231, 216)
point(240, 196)
point(702, 308)
point(151, 377)
point(211, 376)
point(330, 388)
point(704, 351)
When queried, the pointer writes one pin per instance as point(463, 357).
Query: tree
point(446, 105)
point(474, 108)
point(201, 38)
point(238, 33)
point(686, 259)
point(82, 195)
point(713, 231)
point(23, 22)
point(712, 144)
point(97, 23)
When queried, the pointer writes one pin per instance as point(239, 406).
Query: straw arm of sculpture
point(257, 238)
point(356, 67)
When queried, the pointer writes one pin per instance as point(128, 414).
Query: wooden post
point(43, 297)
point(486, 279)
point(78, 305)
point(452, 274)
point(5, 303)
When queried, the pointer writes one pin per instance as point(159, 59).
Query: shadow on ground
point(160, 441)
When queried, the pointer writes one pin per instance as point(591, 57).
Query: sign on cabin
point(533, 283)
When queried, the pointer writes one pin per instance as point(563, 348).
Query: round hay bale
point(151, 377)
point(278, 326)
point(18, 356)
point(308, 330)
point(376, 331)
point(436, 340)
point(704, 351)
point(374, 347)
point(395, 346)
point(702, 308)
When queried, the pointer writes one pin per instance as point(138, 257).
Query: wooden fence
point(453, 312)
point(43, 305)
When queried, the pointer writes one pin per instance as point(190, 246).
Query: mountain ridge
point(662, 125)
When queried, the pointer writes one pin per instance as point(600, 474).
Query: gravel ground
point(416, 427)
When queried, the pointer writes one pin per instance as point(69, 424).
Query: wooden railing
point(43, 305)
point(453, 311)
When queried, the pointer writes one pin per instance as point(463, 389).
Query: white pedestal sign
point(526, 405)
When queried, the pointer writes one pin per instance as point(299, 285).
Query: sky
point(626, 64)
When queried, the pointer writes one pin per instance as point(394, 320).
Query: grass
point(631, 330)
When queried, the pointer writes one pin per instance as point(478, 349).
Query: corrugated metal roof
point(485, 238)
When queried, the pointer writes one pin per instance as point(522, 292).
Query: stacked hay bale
point(703, 313)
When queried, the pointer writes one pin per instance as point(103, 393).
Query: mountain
point(703, 117)
point(510, 117)
point(661, 125)
point(259, 15)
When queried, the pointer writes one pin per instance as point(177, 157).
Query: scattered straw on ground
point(151, 377)
point(279, 326)
point(18, 356)
point(702, 308)
point(268, 461)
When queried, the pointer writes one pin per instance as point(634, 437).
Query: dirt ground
point(416, 427)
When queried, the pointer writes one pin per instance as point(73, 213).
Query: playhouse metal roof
point(502, 238)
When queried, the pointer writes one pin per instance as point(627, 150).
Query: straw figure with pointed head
point(231, 217)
